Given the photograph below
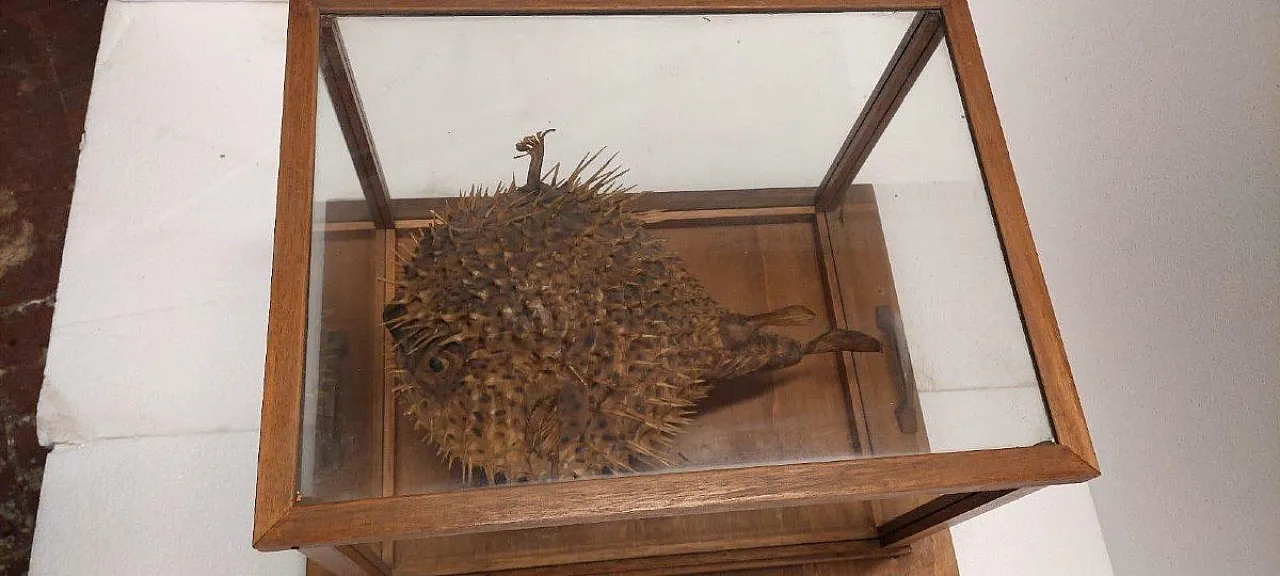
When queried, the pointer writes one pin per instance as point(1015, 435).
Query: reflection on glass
point(343, 396)
point(342, 393)
point(972, 370)
point(551, 333)
point(691, 102)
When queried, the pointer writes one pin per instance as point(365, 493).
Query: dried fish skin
point(542, 333)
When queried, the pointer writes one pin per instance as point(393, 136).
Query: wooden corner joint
point(264, 530)
point(1088, 463)
point(1077, 467)
point(914, 50)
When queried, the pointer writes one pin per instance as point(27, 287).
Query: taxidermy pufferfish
point(541, 332)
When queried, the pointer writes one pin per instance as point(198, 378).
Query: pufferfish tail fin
point(842, 341)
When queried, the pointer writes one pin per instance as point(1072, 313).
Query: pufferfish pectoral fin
point(795, 315)
point(737, 330)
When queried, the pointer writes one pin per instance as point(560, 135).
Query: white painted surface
point(1052, 532)
point(160, 325)
point(1145, 143)
point(174, 370)
point(162, 305)
point(1146, 136)
point(179, 505)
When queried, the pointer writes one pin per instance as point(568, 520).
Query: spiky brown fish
point(542, 333)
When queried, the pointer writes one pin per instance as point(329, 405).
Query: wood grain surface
point(672, 494)
point(636, 539)
point(715, 561)
point(354, 560)
point(357, 211)
point(388, 409)
point(348, 435)
point(864, 277)
point(942, 512)
point(727, 216)
point(930, 556)
point(287, 320)
point(837, 317)
point(793, 414)
point(533, 7)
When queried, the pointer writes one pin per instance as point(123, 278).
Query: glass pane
point(341, 454)
point(690, 102)
point(547, 333)
point(959, 323)
point(338, 197)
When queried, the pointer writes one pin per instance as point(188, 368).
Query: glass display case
point(673, 286)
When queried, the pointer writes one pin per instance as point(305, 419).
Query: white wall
point(1146, 138)
point(167, 260)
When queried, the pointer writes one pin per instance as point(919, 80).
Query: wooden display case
point(825, 461)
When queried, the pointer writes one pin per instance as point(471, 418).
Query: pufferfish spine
point(541, 332)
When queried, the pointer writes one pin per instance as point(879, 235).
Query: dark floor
point(47, 50)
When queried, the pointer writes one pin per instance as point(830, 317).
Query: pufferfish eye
point(435, 364)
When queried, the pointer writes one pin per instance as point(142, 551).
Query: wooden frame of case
point(970, 482)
